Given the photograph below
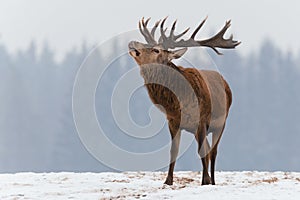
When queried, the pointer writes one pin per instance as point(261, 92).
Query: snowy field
point(149, 185)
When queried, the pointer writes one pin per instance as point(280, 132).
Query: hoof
point(206, 180)
point(169, 181)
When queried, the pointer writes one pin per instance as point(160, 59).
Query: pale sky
point(65, 24)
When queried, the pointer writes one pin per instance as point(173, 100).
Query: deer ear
point(177, 53)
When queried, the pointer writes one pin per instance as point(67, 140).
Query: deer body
point(194, 100)
point(207, 85)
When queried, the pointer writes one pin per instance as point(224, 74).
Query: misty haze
point(38, 132)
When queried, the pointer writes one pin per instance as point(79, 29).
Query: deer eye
point(155, 50)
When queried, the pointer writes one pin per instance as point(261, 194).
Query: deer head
point(160, 51)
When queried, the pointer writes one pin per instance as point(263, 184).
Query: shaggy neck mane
point(165, 76)
point(170, 84)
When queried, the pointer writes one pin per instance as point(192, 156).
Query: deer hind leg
point(204, 153)
point(215, 142)
point(175, 134)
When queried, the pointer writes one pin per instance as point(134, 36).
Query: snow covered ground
point(149, 185)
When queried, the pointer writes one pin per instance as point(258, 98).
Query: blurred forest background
point(37, 132)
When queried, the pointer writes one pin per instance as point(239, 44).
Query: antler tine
point(154, 28)
point(160, 40)
point(145, 32)
point(146, 22)
point(181, 34)
point(162, 31)
point(173, 29)
point(141, 30)
point(198, 28)
point(224, 29)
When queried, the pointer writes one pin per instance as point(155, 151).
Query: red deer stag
point(203, 109)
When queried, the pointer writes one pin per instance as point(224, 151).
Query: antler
point(217, 41)
point(149, 37)
point(169, 42)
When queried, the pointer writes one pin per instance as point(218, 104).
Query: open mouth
point(133, 51)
